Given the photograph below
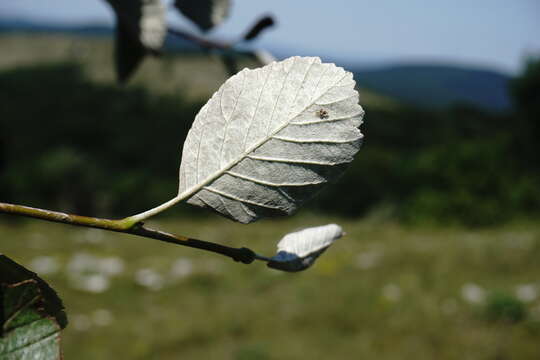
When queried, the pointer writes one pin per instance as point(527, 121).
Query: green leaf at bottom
point(31, 315)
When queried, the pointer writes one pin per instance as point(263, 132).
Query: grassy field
point(382, 292)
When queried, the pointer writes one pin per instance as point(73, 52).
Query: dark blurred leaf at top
point(260, 25)
point(204, 13)
point(140, 29)
point(31, 315)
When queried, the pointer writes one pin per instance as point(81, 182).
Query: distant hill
point(436, 86)
point(424, 85)
point(25, 26)
point(172, 43)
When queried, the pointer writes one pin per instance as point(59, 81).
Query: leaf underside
point(269, 138)
point(204, 13)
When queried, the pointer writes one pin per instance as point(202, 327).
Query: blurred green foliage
point(504, 307)
point(88, 148)
point(526, 92)
point(74, 144)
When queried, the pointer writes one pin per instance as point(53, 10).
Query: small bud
point(297, 251)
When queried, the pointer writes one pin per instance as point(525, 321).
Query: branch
point(125, 226)
point(243, 254)
point(227, 49)
point(202, 42)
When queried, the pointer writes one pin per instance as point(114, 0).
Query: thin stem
point(55, 216)
point(243, 255)
point(154, 211)
point(262, 258)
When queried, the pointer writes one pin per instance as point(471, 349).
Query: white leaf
point(204, 13)
point(298, 250)
point(269, 138)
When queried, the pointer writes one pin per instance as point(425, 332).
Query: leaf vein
point(296, 161)
point(336, 101)
point(302, 84)
point(347, 117)
point(270, 119)
point(232, 197)
point(257, 106)
point(268, 183)
point(227, 121)
point(308, 141)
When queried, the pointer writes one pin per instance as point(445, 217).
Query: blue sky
point(497, 34)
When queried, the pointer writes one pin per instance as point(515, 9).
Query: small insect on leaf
point(322, 114)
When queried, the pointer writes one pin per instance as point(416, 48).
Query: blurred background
point(441, 205)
